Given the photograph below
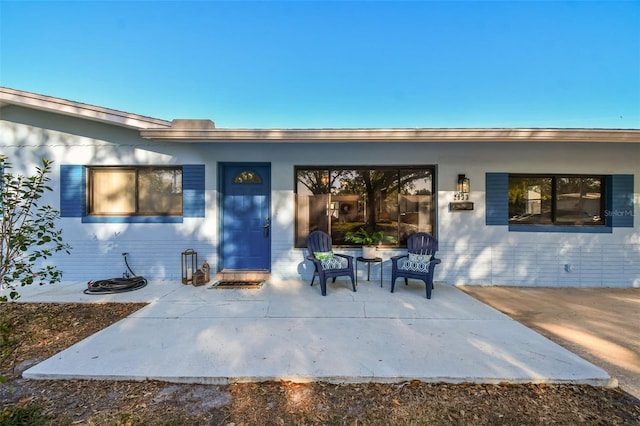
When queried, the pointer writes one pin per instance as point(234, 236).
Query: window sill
point(132, 219)
point(561, 228)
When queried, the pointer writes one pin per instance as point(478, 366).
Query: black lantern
point(189, 265)
point(461, 196)
point(463, 184)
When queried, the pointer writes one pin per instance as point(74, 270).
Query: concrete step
point(232, 275)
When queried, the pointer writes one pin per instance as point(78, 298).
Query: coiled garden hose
point(116, 285)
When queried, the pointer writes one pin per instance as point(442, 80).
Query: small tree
point(28, 231)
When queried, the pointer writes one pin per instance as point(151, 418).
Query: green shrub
point(15, 415)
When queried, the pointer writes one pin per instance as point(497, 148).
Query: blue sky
point(315, 64)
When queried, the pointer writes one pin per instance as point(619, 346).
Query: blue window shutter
point(497, 198)
point(619, 209)
point(193, 190)
point(73, 185)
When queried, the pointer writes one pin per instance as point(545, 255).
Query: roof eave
point(77, 109)
point(392, 135)
point(204, 131)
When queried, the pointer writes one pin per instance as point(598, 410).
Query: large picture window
point(134, 191)
point(556, 200)
point(398, 201)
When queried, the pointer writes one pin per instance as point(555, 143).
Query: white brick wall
point(541, 264)
point(471, 252)
point(91, 259)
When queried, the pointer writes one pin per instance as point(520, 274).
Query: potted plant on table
point(369, 240)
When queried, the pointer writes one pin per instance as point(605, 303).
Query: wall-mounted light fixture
point(461, 197)
point(463, 184)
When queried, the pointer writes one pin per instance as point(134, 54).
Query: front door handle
point(266, 227)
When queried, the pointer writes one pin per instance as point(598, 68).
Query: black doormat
point(238, 284)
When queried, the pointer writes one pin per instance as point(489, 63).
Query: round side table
point(369, 262)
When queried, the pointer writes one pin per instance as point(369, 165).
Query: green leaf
point(26, 225)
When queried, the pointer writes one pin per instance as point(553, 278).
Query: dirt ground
point(41, 330)
point(602, 325)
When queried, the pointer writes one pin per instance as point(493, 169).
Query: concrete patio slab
point(288, 331)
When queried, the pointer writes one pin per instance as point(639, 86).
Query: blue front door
point(246, 217)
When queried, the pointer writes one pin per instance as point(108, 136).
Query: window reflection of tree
point(375, 194)
point(160, 191)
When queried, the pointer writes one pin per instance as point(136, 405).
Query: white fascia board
point(77, 109)
point(392, 135)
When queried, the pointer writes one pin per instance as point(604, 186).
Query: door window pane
point(247, 176)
